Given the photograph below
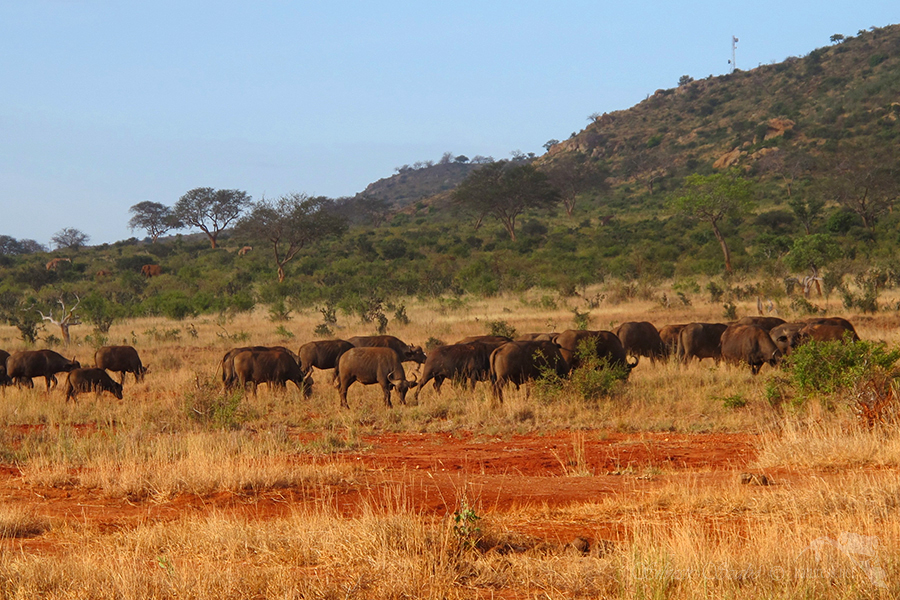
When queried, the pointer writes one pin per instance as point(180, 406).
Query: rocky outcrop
point(728, 159)
point(778, 126)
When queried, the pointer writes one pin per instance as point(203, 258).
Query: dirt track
point(431, 472)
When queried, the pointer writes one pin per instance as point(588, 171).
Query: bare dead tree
point(67, 319)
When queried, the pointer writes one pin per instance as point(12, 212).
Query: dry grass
point(177, 433)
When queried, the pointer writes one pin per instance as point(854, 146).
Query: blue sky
point(106, 104)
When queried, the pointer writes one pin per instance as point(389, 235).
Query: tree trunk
point(64, 329)
point(280, 273)
point(724, 245)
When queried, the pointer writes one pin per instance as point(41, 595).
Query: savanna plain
point(686, 481)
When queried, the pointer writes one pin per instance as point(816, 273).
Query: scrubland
point(827, 526)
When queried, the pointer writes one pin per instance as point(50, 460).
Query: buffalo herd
point(499, 360)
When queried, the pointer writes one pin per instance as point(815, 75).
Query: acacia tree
point(812, 252)
point(69, 237)
point(290, 223)
point(574, 174)
point(865, 184)
point(504, 191)
point(211, 210)
point(712, 198)
point(154, 218)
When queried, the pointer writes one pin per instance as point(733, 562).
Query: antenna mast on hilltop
point(734, 42)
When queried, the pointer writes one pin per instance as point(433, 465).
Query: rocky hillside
point(847, 92)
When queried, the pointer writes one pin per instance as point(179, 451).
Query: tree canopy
point(504, 191)
point(69, 237)
point(290, 223)
point(154, 218)
point(711, 198)
point(211, 210)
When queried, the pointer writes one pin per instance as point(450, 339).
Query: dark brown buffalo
point(407, 352)
point(121, 360)
point(766, 323)
point(640, 338)
point(520, 362)
point(22, 366)
point(322, 354)
point(602, 344)
point(370, 365)
point(836, 322)
point(701, 340)
point(4, 378)
point(828, 332)
point(751, 345)
point(669, 336)
point(228, 375)
point(488, 340)
point(91, 380)
point(457, 362)
point(537, 337)
point(787, 336)
point(274, 366)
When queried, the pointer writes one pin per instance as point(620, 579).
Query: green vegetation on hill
point(812, 140)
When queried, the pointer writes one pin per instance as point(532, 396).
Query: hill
point(815, 136)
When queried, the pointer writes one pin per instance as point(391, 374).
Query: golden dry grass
point(177, 433)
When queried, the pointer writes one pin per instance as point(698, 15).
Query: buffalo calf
point(91, 380)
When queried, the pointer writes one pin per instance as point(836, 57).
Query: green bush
point(502, 328)
point(835, 367)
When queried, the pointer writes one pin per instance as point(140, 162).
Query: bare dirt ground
point(429, 473)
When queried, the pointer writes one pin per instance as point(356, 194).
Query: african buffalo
point(766, 323)
point(228, 374)
point(787, 336)
point(23, 366)
point(121, 360)
point(520, 362)
point(790, 335)
point(835, 322)
point(640, 338)
point(701, 340)
point(322, 354)
point(407, 352)
point(669, 336)
point(749, 344)
point(537, 337)
point(488, 340)
point(458, 362)
point(827, 332)
point(273, 366)
point(91, 380)
point(4, 379)
point(602, 344)
point(373, 364)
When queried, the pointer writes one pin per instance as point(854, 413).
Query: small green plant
point(284, 333)
point(730, 313)
point(715, 292)
point(279, 312)
point(323, 330)
point(381, 323)
point(400, 315)
point(582, 319)
point(434, 342)
point(501, 328)
point(465, 524)
point(802, 306)
point(734, 401)
point(207, 405)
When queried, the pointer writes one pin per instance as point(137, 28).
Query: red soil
point(430, 473)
